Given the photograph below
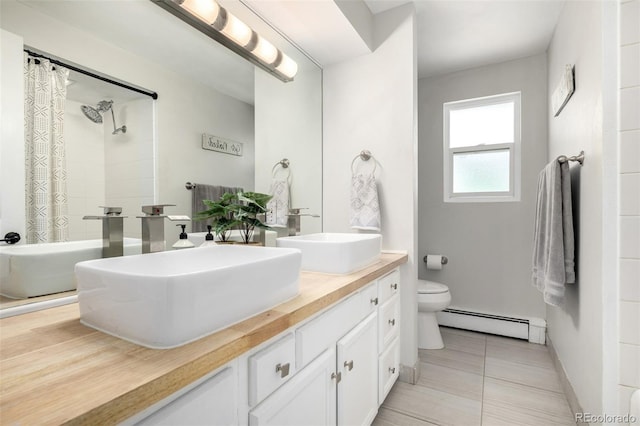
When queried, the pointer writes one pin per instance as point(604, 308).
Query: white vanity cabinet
point(334, 369)
point(307, 399)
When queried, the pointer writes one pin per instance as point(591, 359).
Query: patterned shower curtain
point(46, 175)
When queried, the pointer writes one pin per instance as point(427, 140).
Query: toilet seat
point(430, 287)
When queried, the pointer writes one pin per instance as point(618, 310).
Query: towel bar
point(579, 158)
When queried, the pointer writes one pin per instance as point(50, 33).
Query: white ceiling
point(457, 35)
point(452, 34)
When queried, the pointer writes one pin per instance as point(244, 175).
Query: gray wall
point(576, 329)
point(489, 245)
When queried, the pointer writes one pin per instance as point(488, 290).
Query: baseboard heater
point(531, 329)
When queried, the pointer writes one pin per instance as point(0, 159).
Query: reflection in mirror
point(203, 89)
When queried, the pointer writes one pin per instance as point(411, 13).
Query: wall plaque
point(218, 144)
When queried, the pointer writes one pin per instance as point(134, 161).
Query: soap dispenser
point(183, 242)
point(208, 239)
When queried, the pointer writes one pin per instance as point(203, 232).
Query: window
point(482, 149)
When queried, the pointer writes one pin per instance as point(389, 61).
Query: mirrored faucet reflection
point(293, 220)
point(153, 228)
point(112, 231)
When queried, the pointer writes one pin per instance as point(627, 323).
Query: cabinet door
point(210, 403)
point(388, 322)
point(309, 398)
point(358, 365)
point(389, 369)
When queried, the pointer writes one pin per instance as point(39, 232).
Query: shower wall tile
point(629, 203)
point(630, 237)
point(630, 151)
point(630, 65)
point(629, 190)
point(629, 285)
point(629, 17)
point(629, 320)
point(630, 112)
point(630, 365)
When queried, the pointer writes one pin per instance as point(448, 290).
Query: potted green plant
point(250, 205)
point(236, 211)
point(221, 214)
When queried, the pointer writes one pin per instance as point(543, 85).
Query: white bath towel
point(278, 206)
point(553, 249)
point(365, 208)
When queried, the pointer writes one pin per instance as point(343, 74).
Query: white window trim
point(515, 164)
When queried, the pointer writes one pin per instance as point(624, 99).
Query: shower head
point(95, 114)
point(91, 113)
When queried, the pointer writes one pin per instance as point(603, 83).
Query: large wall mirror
point(202, 87)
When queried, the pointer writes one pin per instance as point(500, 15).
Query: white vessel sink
point(30, 270)
point(163, 300)
point(335, 253)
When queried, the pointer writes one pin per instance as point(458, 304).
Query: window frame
point(514, 151)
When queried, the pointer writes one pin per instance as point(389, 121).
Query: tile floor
point(480, 379)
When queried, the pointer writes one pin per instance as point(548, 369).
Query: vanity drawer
point(271, 367)
point(369, 299)
point(324, 331)
point(388, 369)
point(388, 286)
point(388, 322)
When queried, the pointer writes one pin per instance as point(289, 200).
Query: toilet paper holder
point(444, 260)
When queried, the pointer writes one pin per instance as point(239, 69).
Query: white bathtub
point(29, 270)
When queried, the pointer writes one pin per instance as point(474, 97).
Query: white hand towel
point(278, 206)
point(365, 209)
point(553, 250)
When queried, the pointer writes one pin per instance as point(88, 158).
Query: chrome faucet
point(153, 228)
point(112, 231)
point(293, 220)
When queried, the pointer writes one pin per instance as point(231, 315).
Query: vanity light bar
point(215, 21)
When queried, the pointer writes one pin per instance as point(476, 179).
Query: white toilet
point(432, 297)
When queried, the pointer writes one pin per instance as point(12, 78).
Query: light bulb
point(287, 66)
point(265, 51)
point(205, 10)
point(237, 31)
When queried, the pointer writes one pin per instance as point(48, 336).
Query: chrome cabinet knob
point(349, 365)
point(392, 321)
point(374, 301)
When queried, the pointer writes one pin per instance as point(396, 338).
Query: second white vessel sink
point(335, 253)
point(163, 300)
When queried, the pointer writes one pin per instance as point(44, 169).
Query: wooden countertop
point(55, 370)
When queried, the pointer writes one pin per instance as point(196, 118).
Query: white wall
point(489, 245)
point(629, 211)
point(84, 141)
point(128, 161)
point(12, 167)
point(183, 111)
point(300, 140)
point(576, 328)
point(370, 103)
